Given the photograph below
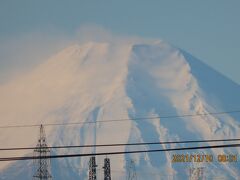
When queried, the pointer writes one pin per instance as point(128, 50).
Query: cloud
point(97, 33)
point(92, 32)
point(23, 52)
point(18, 54)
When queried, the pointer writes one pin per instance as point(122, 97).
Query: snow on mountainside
point(102, 81)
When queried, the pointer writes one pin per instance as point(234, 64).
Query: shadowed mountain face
point(95, 82)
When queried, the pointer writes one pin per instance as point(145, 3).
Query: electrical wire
point(122, 120)
point(122, 144)
point(117, 152)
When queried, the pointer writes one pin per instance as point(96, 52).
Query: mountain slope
point(108, 81)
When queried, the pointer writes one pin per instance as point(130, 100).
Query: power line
point(119, 152)
point(124, 144)
point(124, 119)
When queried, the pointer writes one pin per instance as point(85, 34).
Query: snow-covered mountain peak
point(98, 81)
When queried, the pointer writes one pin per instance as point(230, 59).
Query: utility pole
point(107, 169)
point(92, 174)
point(42, 165)
point(131, 170)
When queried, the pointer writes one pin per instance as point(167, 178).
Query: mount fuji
point(98, 81)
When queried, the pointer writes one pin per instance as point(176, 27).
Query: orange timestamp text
point(204, 158)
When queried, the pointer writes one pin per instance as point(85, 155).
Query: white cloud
point(19, 54)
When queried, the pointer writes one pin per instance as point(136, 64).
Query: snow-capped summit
point(111, 81)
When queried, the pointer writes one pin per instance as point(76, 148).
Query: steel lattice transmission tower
point(131, 170)
point(92, 175)
point(42, 167)
point(107, 169)
point(197, 174)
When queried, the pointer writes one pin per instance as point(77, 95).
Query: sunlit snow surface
point(108, 81)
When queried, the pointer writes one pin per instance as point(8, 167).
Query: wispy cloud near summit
point(18, 54)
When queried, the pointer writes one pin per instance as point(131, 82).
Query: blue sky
point(207, 29)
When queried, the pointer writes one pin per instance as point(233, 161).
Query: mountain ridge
point(98, 81)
